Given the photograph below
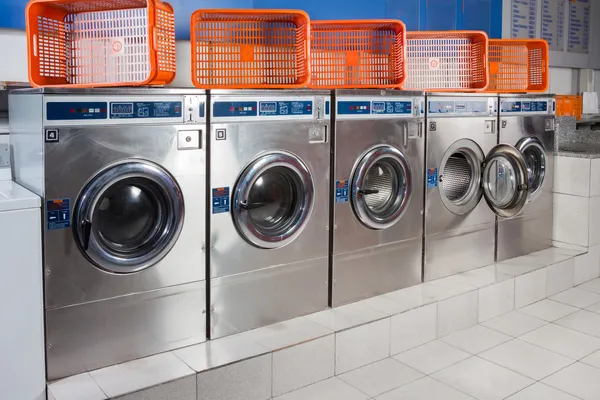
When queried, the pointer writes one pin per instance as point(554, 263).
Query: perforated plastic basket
point(91, 43)
point(357, 54)
point(518, 65)
point(569, 106)
point(250, 48)
point(454, 61)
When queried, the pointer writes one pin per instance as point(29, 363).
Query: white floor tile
point(514, 323)
point(348, 316)
point(362, 345)
point(591, 286)
point(548, 310)
point(551, 256)
point(587, 266)
point(559, 276)
point(569, 249)
point(539, 391)
point(480, 277)
point(331, 389)
point(576, 297)
point(141, 374)
point(476, 339)
point(413, 328)
point(520, 265)
point(380, 377)
point(496, 299)
point(432, 357)
point(578, 379)
point(593, 359)
point(389, 306)
point(582, 321)
point(457, 313)
point(245, 380)
point(594, 308)
point(532, 361)
point(563, 341)
point(530, 288)
point(303, 364)
point(219, 352)
point(482, 379)
point(409, 298)
point(425, 389)
point(180, 389)
point(77, 387)
point(287, 333)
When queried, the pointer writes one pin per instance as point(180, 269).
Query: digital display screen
point(121, 108)
point(378, 106)
point(270, 107)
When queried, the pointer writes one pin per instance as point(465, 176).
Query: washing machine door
point(381, 187)
point(505, 180)
point(128, 216)
point(534, 153)
point(272, 200)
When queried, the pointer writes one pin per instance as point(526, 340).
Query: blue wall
point(416, 14)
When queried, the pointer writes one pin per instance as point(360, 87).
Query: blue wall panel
point(406, 10)
point(475, 15)
point(12, 14)
point(330, 9)
point(440, 15)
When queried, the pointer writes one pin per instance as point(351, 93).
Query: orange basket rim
point(356, 22)
point(446, 33)
point(243, 11)
point(525, 42)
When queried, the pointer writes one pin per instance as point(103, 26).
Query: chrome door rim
point(367, 161)
point(86, 206)
point(519, 198)
point(523, 145)
point(474, 155)
point(245, 184)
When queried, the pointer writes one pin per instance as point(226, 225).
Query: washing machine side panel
point(441, 134)
point(230, 252)
point(354, 138)
point(95, 335)
point(80, 153)
point(524, 234)
point(515, 128)
point(258, 298)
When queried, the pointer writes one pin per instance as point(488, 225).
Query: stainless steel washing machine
point(269, 216)
point(123, 178)
point(378, 206)
point(464, 164)
point(527, 122)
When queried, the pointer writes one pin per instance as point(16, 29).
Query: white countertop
point(15, 197)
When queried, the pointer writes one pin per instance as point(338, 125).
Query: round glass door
point(128, 216)
point(381, 187)
point(505, 180)
point(272, 200)
point(535, 157)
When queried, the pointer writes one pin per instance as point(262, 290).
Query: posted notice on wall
point(579, 27)
point(553, 23)
point(523, 17)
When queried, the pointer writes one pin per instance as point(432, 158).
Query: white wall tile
point(594, 222)
point(571, 219)
point(245, 380)
point(572, 176)
point(561, 81)
point(587, 266)
point(457, 313)
point(362, 345)
point(595, 177)
point(559, 277)
point(303, 365)
point(413, 328)
point(77, 387)
point(181, 389)
point(530, 288)
point(496, 300)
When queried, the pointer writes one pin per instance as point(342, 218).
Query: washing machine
point(464, 164)
point(269, 217)
point(527, 122)
point(378, 206)
point(122, 176)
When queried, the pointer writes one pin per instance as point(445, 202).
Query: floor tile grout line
point(99, 387)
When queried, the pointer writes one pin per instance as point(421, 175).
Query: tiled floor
point(549, 350)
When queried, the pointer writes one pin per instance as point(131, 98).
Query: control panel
point(520, 107)
point(152, 109)
point(269, 108)
point(361, 108)
point(449, 107)
point(65, 111)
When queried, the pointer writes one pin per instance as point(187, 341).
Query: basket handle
point(34, 45)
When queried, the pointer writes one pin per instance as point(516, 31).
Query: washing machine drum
point(272, 200)
point(128, 216)
point(381, 187)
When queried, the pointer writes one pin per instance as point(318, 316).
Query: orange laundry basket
point(518, 65)
point(569, 106)
point(452, 61)
point(357, 54)
point(250, 49)
point(92, 43)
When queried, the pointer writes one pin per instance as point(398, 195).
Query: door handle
point(365, 192)
point(86, 226)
